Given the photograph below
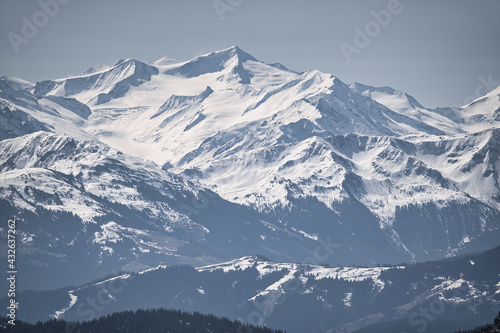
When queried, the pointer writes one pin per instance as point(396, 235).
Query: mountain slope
point(460, 292)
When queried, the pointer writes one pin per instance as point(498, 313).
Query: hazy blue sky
point(434, 50)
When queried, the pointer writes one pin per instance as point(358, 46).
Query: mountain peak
point(495, 93)
point(121, 61)
point(230, 59)
point(96, 69)
point(237, 52)
point(15, 83)
point(105, 84)
point(165, 61)
point(226, 55)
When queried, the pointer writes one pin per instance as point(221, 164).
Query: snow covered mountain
point(441, 296)
point(134, 165)
point(99, 86)
point(81, 204)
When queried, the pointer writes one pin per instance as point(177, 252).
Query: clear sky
point(440, 51)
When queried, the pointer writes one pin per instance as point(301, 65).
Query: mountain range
point(435, 297)
point(200, 162)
